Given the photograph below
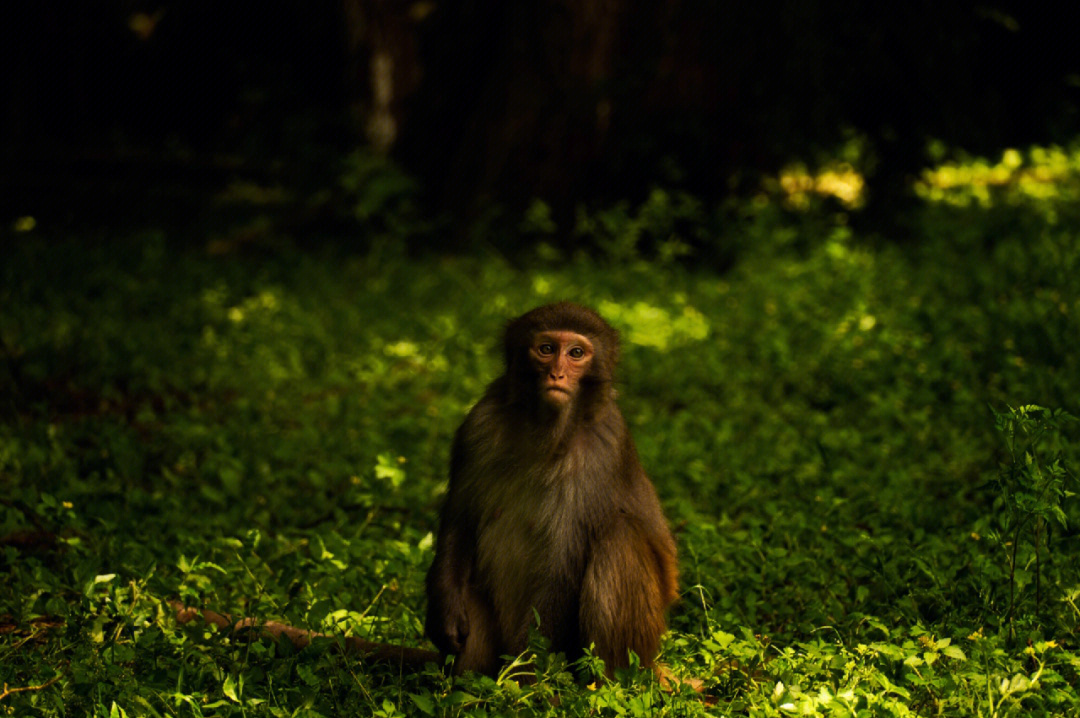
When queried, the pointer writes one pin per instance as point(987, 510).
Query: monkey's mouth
point(556, 394)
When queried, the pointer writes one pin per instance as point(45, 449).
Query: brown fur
point(548, 509)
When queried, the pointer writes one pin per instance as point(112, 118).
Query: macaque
point(549, 510)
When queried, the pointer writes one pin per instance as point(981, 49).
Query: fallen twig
point(416, 658)
point(24, 689)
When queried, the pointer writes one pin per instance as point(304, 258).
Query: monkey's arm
point(447, 622)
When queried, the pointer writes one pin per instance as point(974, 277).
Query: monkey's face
point(560, 360)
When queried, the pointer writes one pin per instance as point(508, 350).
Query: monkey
point(548, 509)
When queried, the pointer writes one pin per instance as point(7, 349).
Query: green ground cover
point(874, 516)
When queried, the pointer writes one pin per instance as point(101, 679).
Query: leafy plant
point(1033, 485)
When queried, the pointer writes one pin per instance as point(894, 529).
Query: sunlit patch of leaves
point(1045, 178)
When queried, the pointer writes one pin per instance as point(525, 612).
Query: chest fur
point(533, 544)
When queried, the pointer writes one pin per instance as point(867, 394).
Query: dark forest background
point(128, 108)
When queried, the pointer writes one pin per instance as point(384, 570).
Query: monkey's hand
point(456, 628)
point(448, 625)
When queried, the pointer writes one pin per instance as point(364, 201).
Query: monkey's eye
point(577, 352)
point(546, 349)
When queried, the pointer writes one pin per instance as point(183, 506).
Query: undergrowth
point(865, 449)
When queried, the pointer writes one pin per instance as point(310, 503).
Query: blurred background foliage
point(144, 112)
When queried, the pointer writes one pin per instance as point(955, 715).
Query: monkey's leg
point(628, 584)
point(483, 646)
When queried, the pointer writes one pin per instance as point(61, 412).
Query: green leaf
point(458, 698)
point(954, 652)
point(423, 702)
point(229, 689)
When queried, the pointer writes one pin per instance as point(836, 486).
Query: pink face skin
point(560, 360)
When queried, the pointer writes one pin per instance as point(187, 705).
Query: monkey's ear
point(611, 347)
point(516, 340)
point(513, 340)
point(607, 356)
